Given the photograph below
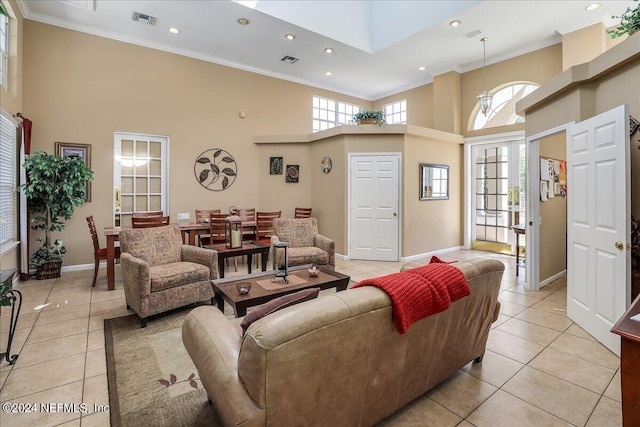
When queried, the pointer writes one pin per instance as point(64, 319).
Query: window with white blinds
point(4, 49)
point(8, 194)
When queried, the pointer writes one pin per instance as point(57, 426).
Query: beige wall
point(553, 230)
point(583, 45)
point(11, 98)
point(82, 88)
point(420, 107)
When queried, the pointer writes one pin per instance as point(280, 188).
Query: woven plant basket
point(49, 270)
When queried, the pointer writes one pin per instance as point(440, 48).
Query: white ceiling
point(378, 45)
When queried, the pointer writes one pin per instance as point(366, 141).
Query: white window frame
point(119, 137)
point(502, 106)
point(4, 49)
point(396, 112)
point(8, 182)
point(328, 113)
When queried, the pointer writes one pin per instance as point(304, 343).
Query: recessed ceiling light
point(328, 49)
point(422, 68)
point(243, 21)
point(592, 6)
point(289, 36)
point(454, 23)
point(174, 30)
point(328, 73)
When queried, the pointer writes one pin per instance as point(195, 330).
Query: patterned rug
point(151, 378)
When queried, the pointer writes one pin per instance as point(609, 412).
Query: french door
point(497, 189)
point(140, 175)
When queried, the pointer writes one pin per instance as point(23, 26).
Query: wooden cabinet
point(629, 331)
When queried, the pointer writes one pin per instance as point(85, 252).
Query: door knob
point(619, 245)
point(395, 214)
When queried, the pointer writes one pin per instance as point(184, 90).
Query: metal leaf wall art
point(215, 169)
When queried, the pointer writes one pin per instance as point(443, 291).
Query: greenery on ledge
point(55, 188)
point(376, 117)
point(629, 23)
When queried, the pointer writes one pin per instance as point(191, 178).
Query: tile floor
point(540, 369)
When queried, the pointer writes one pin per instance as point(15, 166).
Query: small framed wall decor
point(275, 165)
point(64, 149)
point(293, 173)
point(326, 164)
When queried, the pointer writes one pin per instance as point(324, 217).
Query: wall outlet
point(184, 215)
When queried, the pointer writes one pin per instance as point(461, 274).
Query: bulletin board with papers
point(553, 178)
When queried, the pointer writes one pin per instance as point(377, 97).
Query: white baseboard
point(553, 278)
point(428, 254)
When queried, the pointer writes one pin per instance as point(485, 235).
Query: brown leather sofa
point(337, 360)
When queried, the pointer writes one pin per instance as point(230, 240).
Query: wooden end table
point(225, 289)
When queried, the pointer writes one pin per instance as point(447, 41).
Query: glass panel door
point(498, 195)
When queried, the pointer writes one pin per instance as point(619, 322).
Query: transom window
point(4, 46)
point(503, 106)
point(396, 112)
point(328, 113)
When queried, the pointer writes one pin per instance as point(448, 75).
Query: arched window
point(503, 107)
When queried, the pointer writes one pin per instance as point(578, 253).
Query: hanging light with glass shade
point(485, 97)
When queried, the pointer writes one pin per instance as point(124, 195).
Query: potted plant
point(629, 23)
point(375, 117)
point(55, 187)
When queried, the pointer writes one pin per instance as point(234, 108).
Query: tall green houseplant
point(55, 187)
point(629, 23)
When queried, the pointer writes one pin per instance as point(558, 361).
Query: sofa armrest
point(272, 251)
point(327, 245)
point(137, 283)
point(214, 344)
point(204, 256)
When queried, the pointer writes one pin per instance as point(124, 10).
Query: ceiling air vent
point(141, 17)
point(289, 59)
point(472, 34)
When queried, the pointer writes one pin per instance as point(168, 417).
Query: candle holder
point(283, 270)
point(233, 231)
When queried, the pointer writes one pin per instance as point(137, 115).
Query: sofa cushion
point(167, 276)
point(308, 255)
point(278, 304)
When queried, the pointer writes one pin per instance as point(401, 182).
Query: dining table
point(189, 232)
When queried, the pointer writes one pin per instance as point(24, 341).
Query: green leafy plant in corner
point(55, 188)
point(629, 23)
point(376, 116)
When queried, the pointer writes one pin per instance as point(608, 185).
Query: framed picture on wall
point(64, 149)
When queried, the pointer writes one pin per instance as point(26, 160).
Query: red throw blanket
point(421, 292)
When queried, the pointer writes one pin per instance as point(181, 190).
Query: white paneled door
point(598, 241)
point(374, 224)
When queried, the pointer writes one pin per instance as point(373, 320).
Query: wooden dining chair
point(264, 227)
point(149, 221)
point(248, 217)
point(216, 233)
point(147, 214)
point(302, 213)
point(99, 254)
point(202, 215)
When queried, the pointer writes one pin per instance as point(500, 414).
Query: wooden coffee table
point(247, 248)
point(225, 289)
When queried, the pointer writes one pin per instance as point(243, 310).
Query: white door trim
point(469, 144)
point(350, 156)
point(532, 150)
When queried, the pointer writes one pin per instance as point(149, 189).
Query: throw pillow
point(436, 260)
point(278, 304)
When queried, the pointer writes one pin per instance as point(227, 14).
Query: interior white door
point(374, 231)
point(598, 209)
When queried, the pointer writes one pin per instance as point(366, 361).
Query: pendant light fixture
point(485, 97)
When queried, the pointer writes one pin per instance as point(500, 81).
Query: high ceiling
point(377, 45)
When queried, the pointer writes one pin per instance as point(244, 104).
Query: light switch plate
point(184, 215)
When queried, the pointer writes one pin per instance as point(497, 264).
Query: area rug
point(151, 378)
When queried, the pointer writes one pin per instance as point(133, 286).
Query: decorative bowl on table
point(313, 271)
point(243, 287)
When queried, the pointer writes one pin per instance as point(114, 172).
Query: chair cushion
point(297, 232)
point(307, 255)
point(278, 304)
point(167, 276)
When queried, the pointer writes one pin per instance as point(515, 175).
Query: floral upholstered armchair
point(160, 273)
point(306, 246)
